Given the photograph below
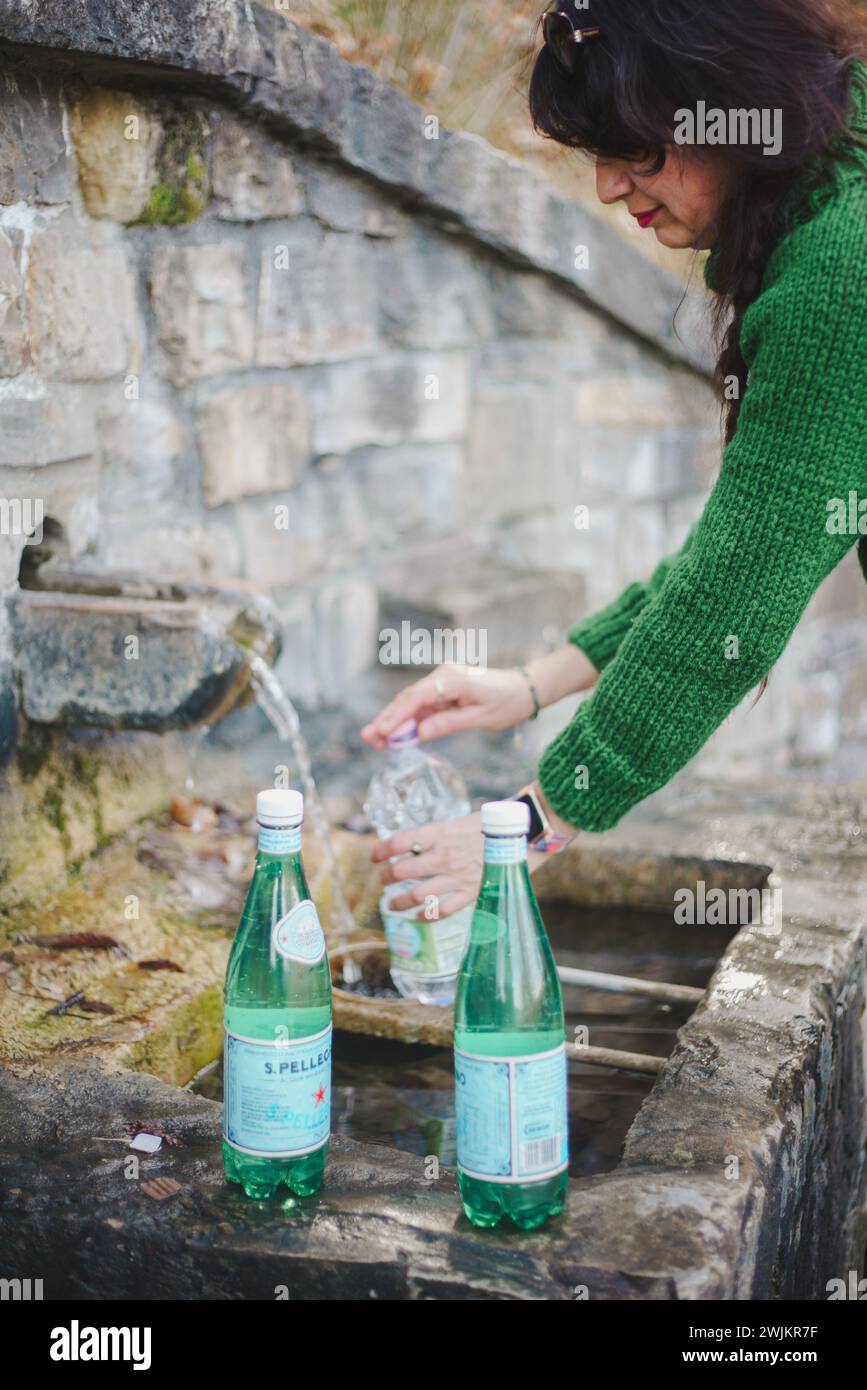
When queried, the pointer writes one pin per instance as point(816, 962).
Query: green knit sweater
point(678, 653)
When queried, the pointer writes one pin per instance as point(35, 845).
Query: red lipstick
point(644, 219)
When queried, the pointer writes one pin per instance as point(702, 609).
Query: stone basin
point(742, 1176)
point(122, 651)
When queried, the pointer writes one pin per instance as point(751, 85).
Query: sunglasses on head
point(564, 39)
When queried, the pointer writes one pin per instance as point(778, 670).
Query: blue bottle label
point(505, 849)
point(511, 1116)
point(277, 1094)
point(298, 936)
point(284, 839)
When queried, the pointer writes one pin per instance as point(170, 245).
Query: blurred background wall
point(284, 328)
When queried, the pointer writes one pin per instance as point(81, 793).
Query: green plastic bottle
point(277, 1013)
point(510, 1053)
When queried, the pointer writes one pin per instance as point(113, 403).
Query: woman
point(784, 215)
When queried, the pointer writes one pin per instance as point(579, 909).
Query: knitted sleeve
point(774, 526)
point(600, 635)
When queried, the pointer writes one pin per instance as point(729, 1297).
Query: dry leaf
point(76, 941)
point(78, 1001)
point(196, 815)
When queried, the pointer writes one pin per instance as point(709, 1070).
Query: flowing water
point(279, 709)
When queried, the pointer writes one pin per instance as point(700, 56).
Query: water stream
point(279, 709)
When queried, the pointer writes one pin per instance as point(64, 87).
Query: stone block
point(253, 439)
point(317, 296)
point(345, 521)
point(252, 174)
point(410, 490)
point(642, 541)
point(488, 194)
point(345, 203)
point(82, 308)
point(280, 537)
point(636, 463)
point(182, 551)
point(431, 292)
point(527, 305)
point(347, 620)
point(506, 614)
point(551, 541)
point(398, 398)
point(68, 496)
point(14, 347)
point(122, 662)
point(33, 158)
point(143, 443)
point(116, 139)
point(200, 301)
point(518, 448)
point(11, 546)
point(628, 399)
point(317, 526)
point(41, 422)
point(544, 538)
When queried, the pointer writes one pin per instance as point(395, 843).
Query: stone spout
point(127, 652)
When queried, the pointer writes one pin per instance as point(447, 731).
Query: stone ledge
point(259, 61)
point(378, 1229)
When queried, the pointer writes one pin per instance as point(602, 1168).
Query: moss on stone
point(33, 751)
point(185, 1041)
point(54, 810)
point(181, 195)
point(86, 772)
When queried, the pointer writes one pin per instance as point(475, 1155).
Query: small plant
point(182, 193)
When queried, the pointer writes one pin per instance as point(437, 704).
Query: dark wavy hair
point(656, 57)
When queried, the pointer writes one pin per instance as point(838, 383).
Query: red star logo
point(319, 1095)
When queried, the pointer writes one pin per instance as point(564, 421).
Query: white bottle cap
point(506, 818)
point(277, 806)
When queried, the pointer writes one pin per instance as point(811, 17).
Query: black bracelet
point(533, 691)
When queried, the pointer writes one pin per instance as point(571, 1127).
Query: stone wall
point(260, 319)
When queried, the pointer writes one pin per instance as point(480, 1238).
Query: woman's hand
point(449, 866)
point(455, 698)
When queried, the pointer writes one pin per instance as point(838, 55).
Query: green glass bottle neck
point(279, 853)
point(505, 863)
point(279, 842)
point(505, 849)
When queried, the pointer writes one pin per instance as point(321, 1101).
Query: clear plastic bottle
point(510, 1054)
point(414, 788)
point(277, 1059)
